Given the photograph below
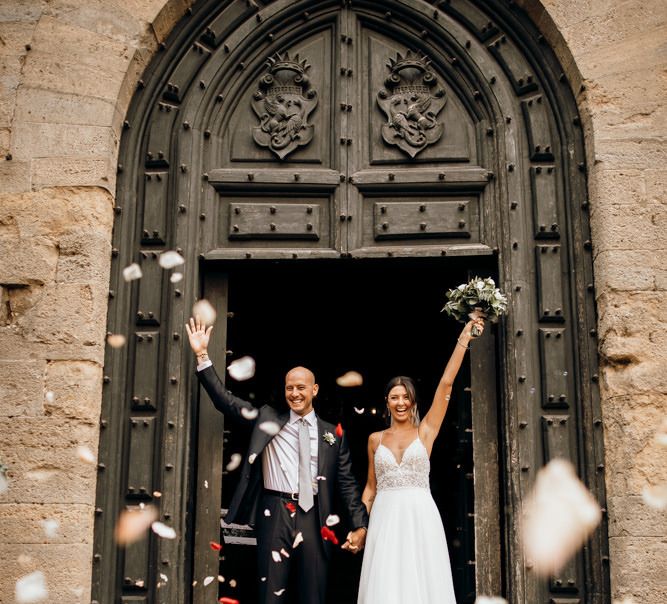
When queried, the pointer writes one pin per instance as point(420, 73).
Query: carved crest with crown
point(283, 102)
point(411, 101)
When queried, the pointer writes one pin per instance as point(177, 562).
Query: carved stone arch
point(517, 175)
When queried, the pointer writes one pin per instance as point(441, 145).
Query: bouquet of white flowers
point(480, 298)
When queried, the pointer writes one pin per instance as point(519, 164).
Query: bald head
point(300, 389)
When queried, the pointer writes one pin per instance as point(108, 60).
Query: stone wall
point(67, 72)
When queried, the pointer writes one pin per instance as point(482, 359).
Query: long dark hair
point(409, 385)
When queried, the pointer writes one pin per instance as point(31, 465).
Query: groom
point(294, 465)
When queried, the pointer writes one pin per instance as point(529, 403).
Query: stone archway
point(527, 175)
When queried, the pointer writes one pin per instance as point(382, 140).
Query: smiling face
point(400, 404)
point(300, 390)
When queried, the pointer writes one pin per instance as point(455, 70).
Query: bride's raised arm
point(430, 425)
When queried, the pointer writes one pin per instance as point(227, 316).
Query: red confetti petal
point(329, 535)
point(225, 600)
point(339, 431)
point(216, 547)
point(290, 506)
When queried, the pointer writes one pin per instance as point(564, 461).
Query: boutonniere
point(329, 438)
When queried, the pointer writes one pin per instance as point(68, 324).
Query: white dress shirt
point(280, 458)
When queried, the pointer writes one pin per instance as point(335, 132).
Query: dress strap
point(381, 435)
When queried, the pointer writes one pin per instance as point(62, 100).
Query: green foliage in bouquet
point(478, 298)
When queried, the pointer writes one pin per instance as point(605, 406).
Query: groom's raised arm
point(224, 401)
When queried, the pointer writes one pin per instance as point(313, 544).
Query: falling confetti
point(560, 514)
point(221, 579)
point(249, 413)
point(339, 431)
point(329, 535)
point(50, 527)
point(234, 462)
point(332, 520)
point(271, 428)
point(206, 484)
point(242, 369)
point(208, 581)
point(350, 379)
point(232, 583)
point(133, 523)
point(204, 312)
point(171, 259)
point(252, 457)
point(164, 577)
point(157, 494)
point(267, 512)
point(226, 600)
point(215, 546)
point(164, 531)
point(280, 592)
point(490, 600)
point(290, 506)
point(283, 551)
point(298, 539)
point(359, 411)
point(31, 588)
point(176, 277)
point(320, 477)
point(276, 556)
point(655, 496)
point(116, 340)
point(50, 397)
point(85, 454)
point(132, 272)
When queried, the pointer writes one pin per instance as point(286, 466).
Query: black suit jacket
point(333, 460)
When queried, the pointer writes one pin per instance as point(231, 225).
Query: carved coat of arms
point(283, 103)
point(411, 104)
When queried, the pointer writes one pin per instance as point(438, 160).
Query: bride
point(406, 557)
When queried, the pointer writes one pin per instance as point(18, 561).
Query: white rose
point(480, 285)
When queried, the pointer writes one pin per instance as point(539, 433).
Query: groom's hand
point(355, 540)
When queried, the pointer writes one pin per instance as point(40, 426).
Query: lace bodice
point(412, 472)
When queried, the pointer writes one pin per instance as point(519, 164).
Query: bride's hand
point(478, 323)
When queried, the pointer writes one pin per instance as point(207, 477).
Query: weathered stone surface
point(22, 523)
point(22, 388)
point(647, 267)
point(639, 568)
point(77, 387)
point(629, 516)
point(41, 454)
point(65, 566)
point(627, 227)
point(72, 171)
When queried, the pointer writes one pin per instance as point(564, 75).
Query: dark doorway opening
point(378, 317)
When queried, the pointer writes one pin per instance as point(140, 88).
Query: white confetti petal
point(85, 454)
point(350, 379)
point(31, 588)
point(560, 514)
point(252, 457)
point(4, 483)
point(205, 311)
point(170, 259)
point(332, 520)
point(320, 477)
point(242, 369)
point(221, 579)
point(116, 340)
point(206, 484)
point(157, 494)
point(359, 411)
point(267, 512)
point(133, 523)
point(50, 527)
point(276, 556)
point(234, 462)
point(249, 413)
point(232, 583)
point(164, 531)
point(298, 539)
point(271, 428)
point(50, 397)
point(176, 277)
point(283, 551)
point(164, 577)
point(655, 496)
point(132, 272)
point(208, 581)
point(280, 592)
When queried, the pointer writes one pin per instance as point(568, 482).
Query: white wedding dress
point(406, 560)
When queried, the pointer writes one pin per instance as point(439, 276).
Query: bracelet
point(462, 345)
point(202, 356)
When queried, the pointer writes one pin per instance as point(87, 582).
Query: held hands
point(355, 540)
point(198, 334)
